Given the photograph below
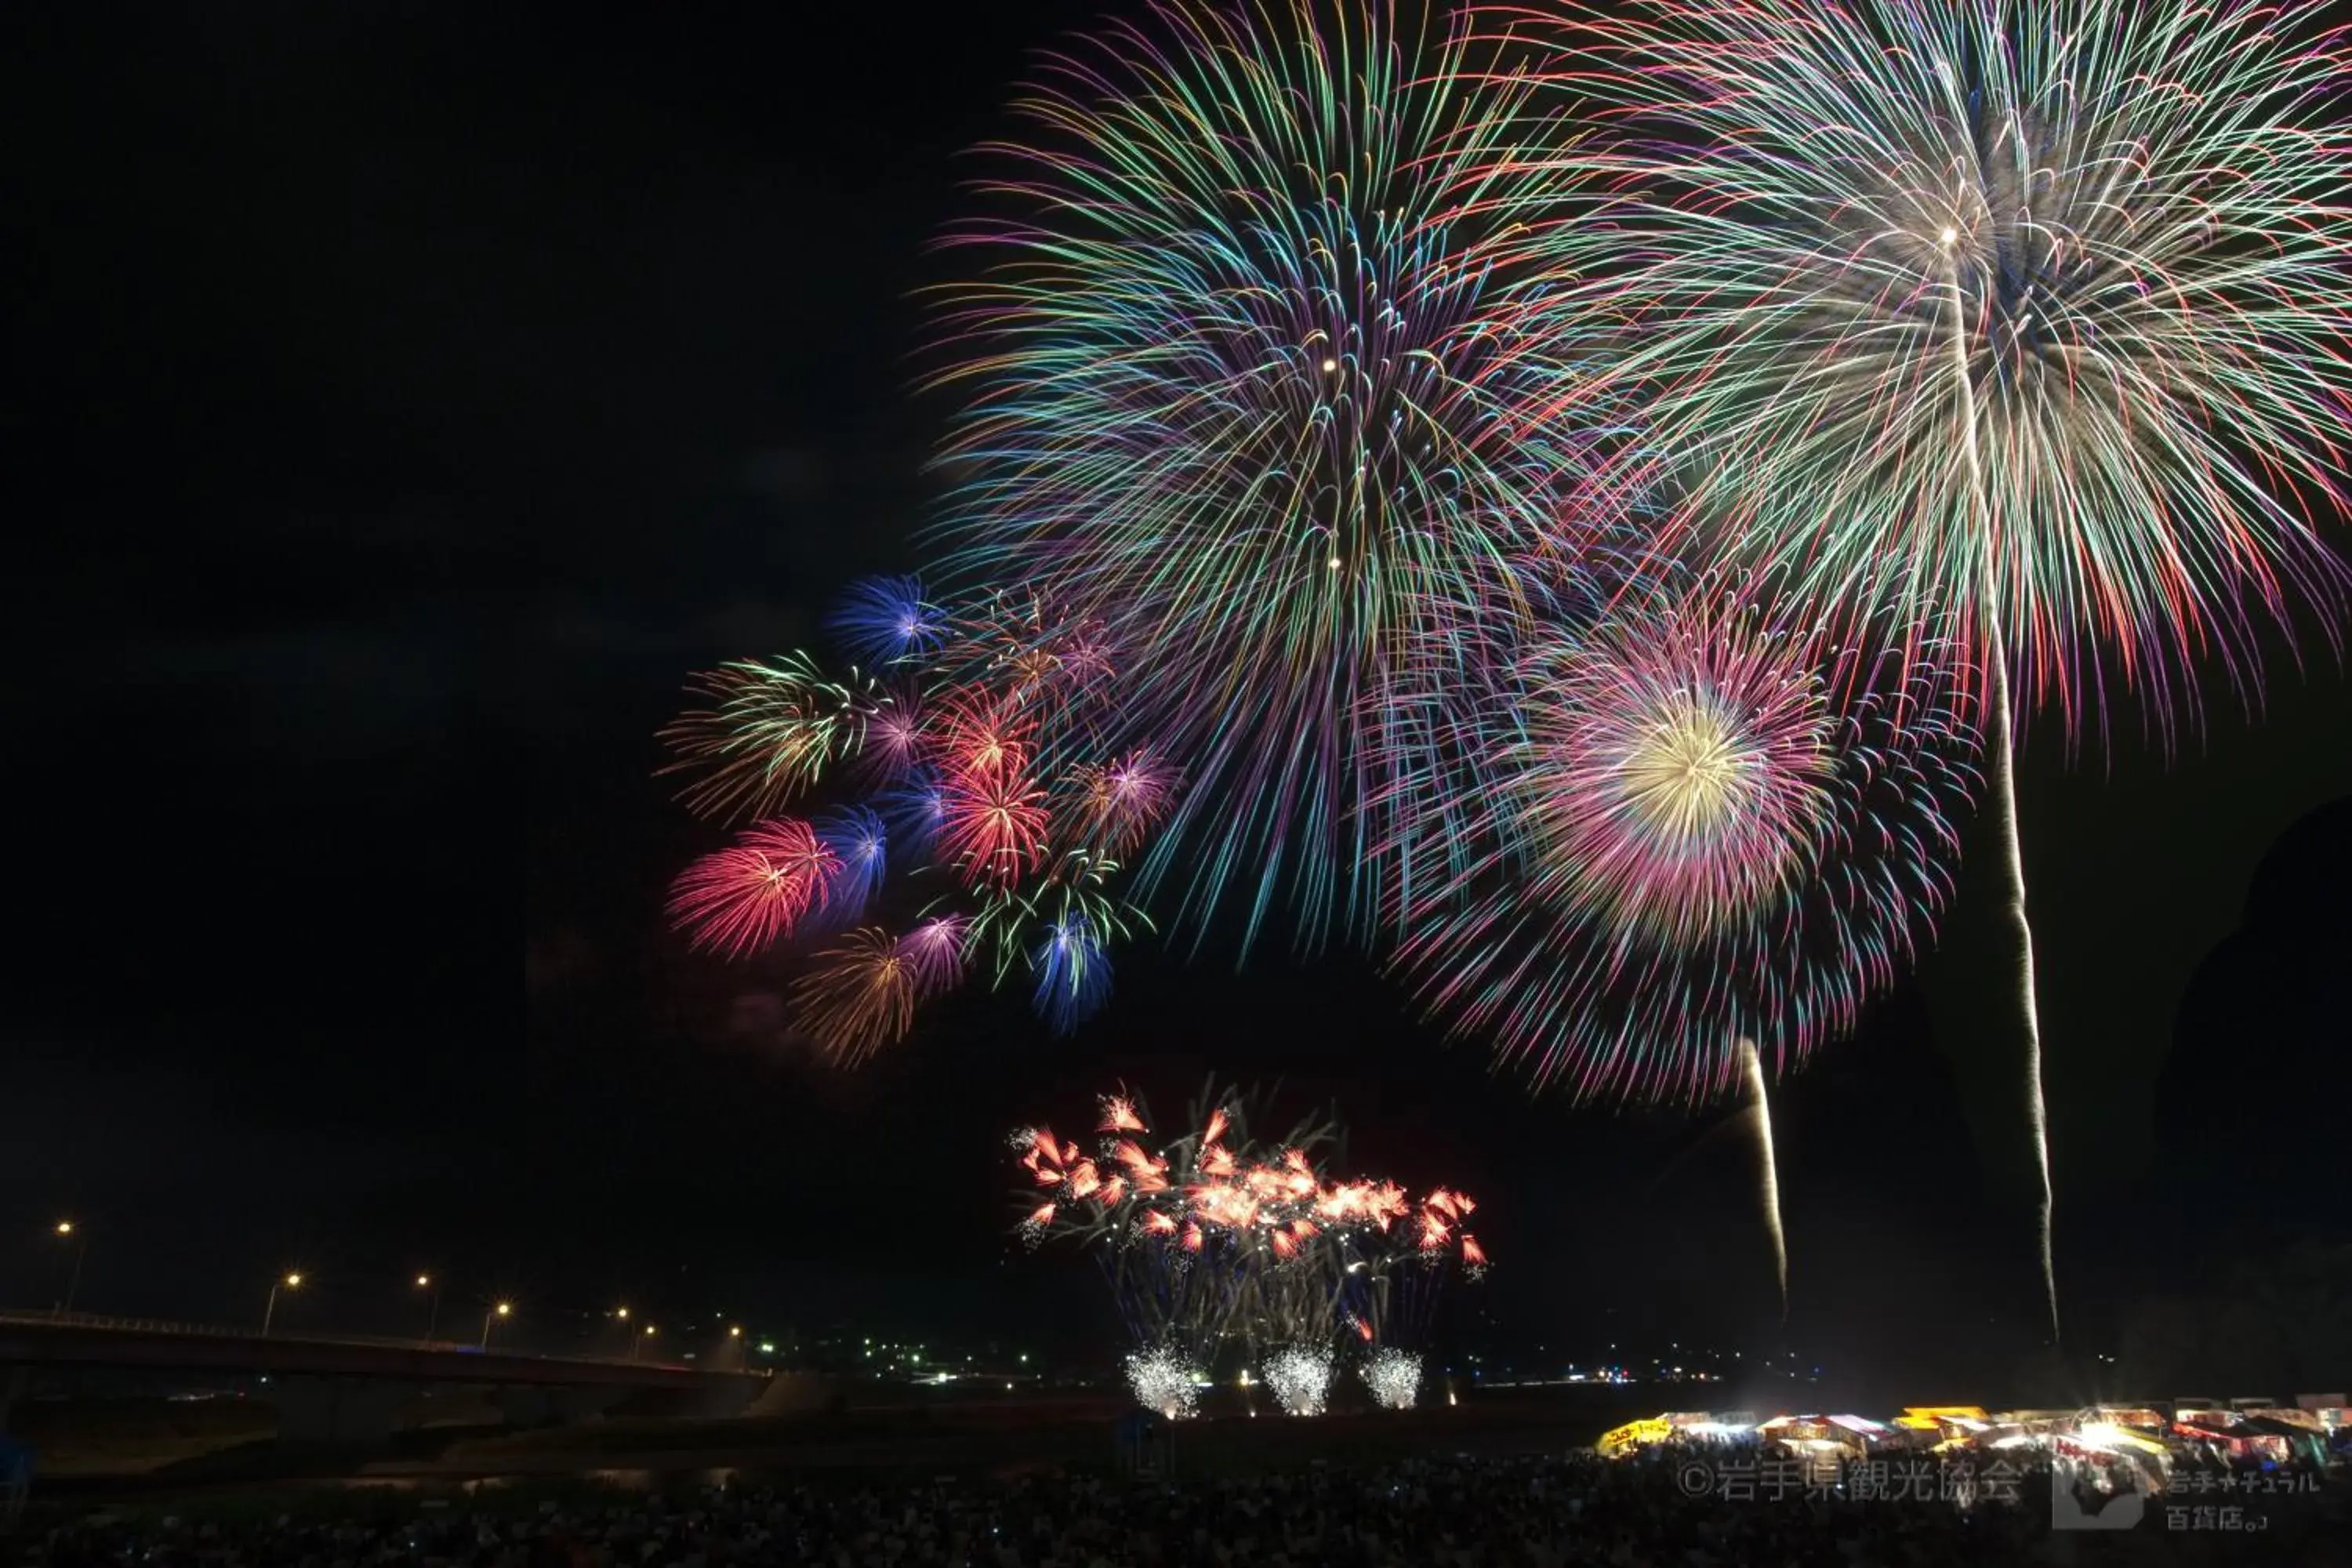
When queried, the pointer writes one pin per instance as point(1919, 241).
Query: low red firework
point(743, 898)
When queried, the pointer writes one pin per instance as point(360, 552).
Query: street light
point(493, 1316)
point(638, 1344)
point(735, 1333)
point(292, 1282)
point(66, 1232)
point(433, 1312)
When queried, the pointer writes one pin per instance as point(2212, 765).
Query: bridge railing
point(122, 1325)
point(369, 1341)
point(217, 1330)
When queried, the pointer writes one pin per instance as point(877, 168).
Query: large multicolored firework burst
point(1704, 827)
point(1246, 382)
point(2028, 318)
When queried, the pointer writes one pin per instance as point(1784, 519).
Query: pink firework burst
point(744, 897)
point(1678, 767)
point(934, 954)
point(895, 737)
point(1119, 803)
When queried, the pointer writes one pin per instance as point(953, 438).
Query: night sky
point(406, 400)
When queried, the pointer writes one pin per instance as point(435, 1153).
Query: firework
point(2025, 316)
point(1164, 1382)
point(742, 899)
point(1300, 1378)
point(2033, 314)
point(888, 620)
point(1246, 384)
point(859, 996)
point(897, 737)
point(1621, 920)
point(1394, 1377)
point(934, 954)
point(1119, 803)
point(992, 825)
point(978, 756)
point(765, 733)
point(1688, 772)
point(1072, 973)
point(1218, 1237)
point(856, 840)
point(913, 813)
point(1752, 1068)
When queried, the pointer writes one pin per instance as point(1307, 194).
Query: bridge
point(351, 1389)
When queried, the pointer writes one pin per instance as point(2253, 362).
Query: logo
point(2119, 1510)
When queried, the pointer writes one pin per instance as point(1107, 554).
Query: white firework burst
point(1164, 1381)
point(1301, 1376)
point(1394, 1377)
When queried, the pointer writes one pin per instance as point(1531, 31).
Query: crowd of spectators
point(1570, 1511)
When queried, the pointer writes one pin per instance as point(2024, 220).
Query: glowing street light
point(503, 1309)
point(638, 1344)
point(66, 1232)
point(432, 1311)
point(290, 1282)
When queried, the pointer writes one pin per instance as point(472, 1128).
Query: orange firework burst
point(1219, 1233)
point(859, 995)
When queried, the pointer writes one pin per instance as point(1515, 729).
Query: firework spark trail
point(2003, 743)
point(1753, 1064)
point(2004, 804)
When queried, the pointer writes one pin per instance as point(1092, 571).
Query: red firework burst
point(746, 896)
